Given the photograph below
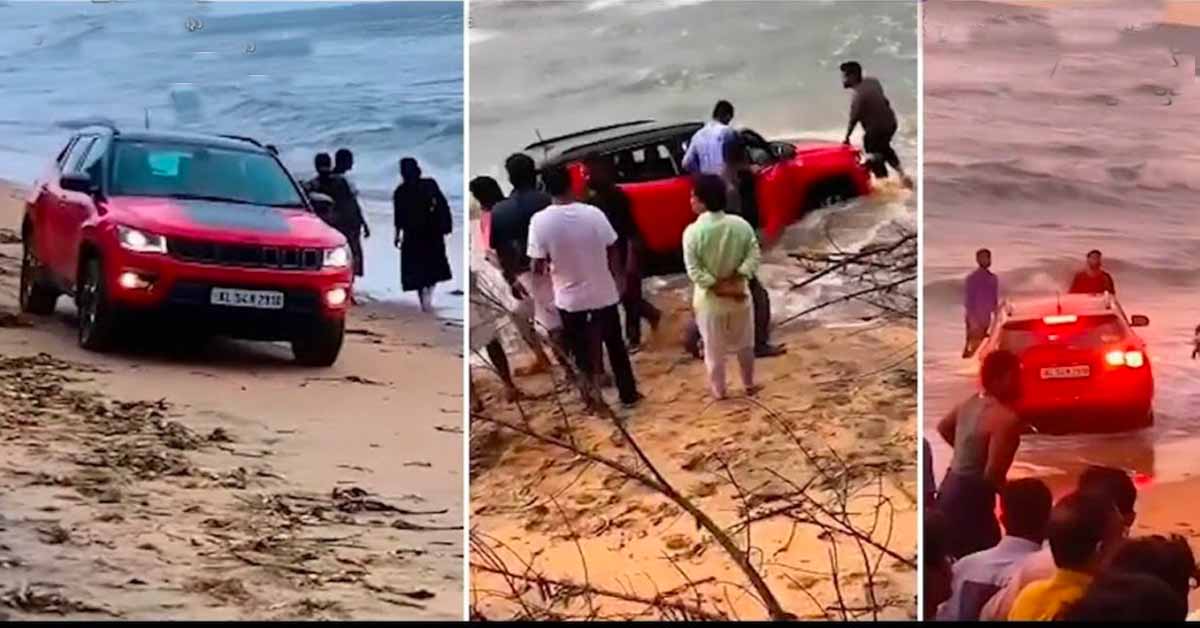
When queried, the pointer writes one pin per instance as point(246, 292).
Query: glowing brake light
point(1060, 319)
point(1132, 359)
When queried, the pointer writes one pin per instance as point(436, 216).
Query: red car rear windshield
point(181, 170)
point(1086, 331)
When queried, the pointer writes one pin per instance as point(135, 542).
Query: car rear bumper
point(1090, 416)
point(181, 291)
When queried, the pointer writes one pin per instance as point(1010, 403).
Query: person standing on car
point(706, 150)
point(510, 241)
point(612, 200)
point(570, 242)
point(348, 214)
point(981, 298)
point(423, 220)
point(721, 254)
point(1093, 279)
point(871, 108)
point(985, 432)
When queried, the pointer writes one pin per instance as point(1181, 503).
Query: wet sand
point(228, 483)
point(846, 393)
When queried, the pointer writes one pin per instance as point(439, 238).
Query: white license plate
point(258, 299)
point(1066, 372)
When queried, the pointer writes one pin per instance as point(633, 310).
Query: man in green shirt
point(721, 254)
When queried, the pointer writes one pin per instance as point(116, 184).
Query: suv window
point(77, 152)
point(181, 170)
point(1088, 331)
point(66, 150)
point(92, 162)
point(648, 163)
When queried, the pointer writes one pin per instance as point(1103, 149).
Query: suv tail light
point(1061, 319)
point(1133, 358)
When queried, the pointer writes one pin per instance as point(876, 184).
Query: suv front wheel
point(97, 317)
point(321, 345)
point(35, 297)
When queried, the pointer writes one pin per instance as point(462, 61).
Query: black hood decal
point(220, 215)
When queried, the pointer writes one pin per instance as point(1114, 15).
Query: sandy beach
point(561, 533)
point(227, 483)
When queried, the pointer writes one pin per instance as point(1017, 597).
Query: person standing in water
point(871, 108)
point(985, 432)
point(721, 254)
point(1093, 279)
point(423, 220)
point(982, 297)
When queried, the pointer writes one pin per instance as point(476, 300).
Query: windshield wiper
point(205, 197)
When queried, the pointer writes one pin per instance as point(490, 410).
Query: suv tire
point(35, 296)
point(321, 345)
point(97, 317)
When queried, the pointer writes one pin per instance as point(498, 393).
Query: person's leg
point(692, 338)
point(608, 320)
point(356, 251)
point(745, 359)
point(495, 352)
point(596, 351)
point(762, 321)
point(576, 342)
point(873, 146)
point(709, 326)
point(633, 321)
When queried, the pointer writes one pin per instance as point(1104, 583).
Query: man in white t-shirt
point(573, 242)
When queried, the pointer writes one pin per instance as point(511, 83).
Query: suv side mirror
point(322, 203)
point(78, 182)
point(781, 150)
point(1137, 320)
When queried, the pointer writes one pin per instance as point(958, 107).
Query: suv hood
point(223, 222)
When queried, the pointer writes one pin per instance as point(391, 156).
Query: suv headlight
point(141, 241)
point(338, 257)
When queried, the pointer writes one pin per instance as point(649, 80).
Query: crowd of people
point(421, 216)
point(1073, 560)
point(572, 266)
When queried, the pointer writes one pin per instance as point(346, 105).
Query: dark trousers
point(578, 328)
point(879, 142)
point(762, 320)
point(968, 502)
point(354, 240)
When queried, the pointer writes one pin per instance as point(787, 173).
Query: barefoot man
point(721, 254)
point(871, 108)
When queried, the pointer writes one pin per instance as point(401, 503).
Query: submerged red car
point(1083, 368)
point(792, 179)
point(211, 234)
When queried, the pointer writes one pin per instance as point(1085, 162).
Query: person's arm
point(1112, 286)
point(948, 426)
point(536, 250)
point(358, 212)
point(691, 260)
point(750, 263)
point(1002, 450)
point(691, 158)
point(398, 216)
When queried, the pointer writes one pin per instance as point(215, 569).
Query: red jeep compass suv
point(209, 232)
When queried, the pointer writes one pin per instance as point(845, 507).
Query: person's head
point(522, 172)
point(852, 73)
point(709, 194)
point(1114, 484)
point(1080, 525)
point(735, 153)
point(601, 172)
point(558, 182)
point(486, 191)
point(1025, 508)
point(322, 163)
point(1094, 259)
point(983, 257)
point(1128, 597)
point(936, 568)
point(1001, 375)
point(343, 160)
point(409, 169)
point(1169, 559)
point(723, 112)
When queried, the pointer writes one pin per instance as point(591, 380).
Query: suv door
point(79, 208)
point(49, 211)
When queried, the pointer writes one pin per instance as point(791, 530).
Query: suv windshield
point(1088, 331)
point(180, 170)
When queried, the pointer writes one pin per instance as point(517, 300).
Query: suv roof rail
point(541, 143)
point(104, 124)
point(243, 138)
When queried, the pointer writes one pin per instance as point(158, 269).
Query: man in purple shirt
point(982, 297)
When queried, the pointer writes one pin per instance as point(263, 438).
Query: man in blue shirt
point(706, 151)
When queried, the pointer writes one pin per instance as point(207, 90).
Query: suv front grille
point(246, 255)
